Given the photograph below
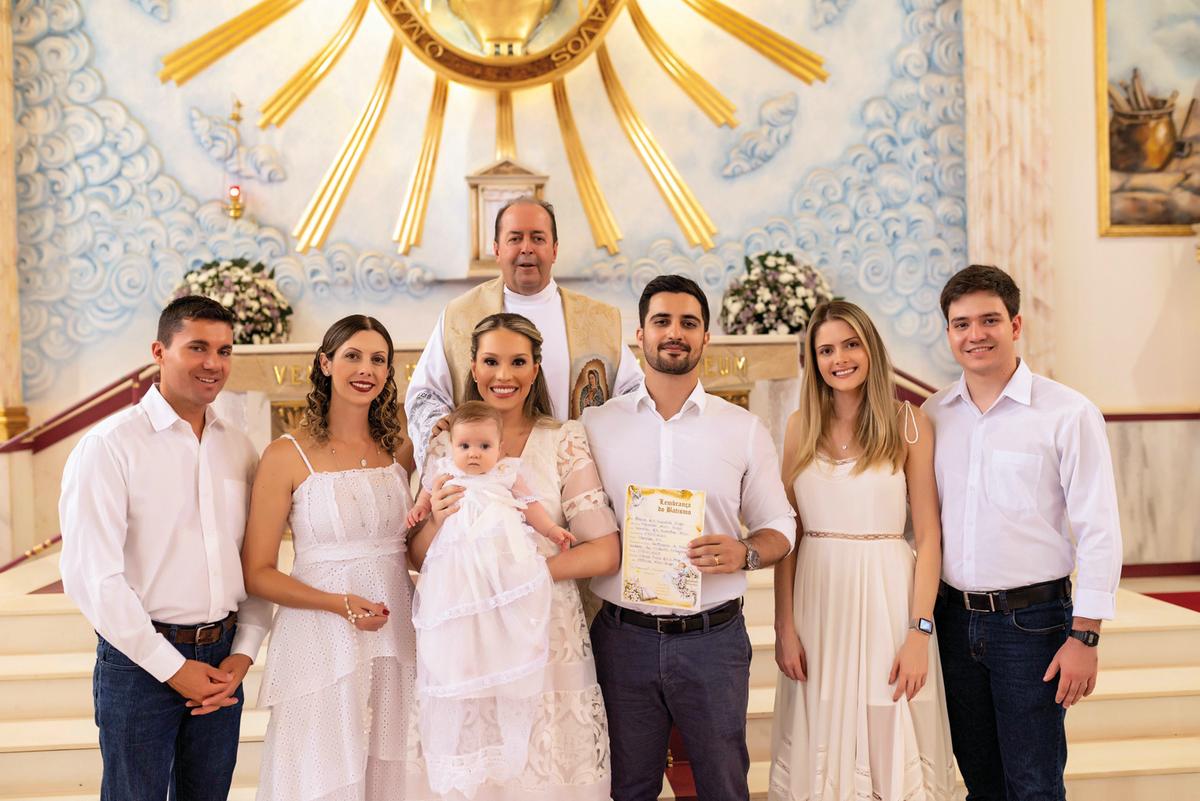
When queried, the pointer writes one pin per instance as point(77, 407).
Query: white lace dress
point(482, 614)
point(568, 757)
point(839, 736)
point(343, 717)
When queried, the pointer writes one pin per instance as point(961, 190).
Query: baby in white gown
point(481, 612)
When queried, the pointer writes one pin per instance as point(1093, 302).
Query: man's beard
point(674, 366)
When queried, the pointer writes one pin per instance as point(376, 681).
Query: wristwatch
point(921, 624)
point(1089, 638)
point(752, 560)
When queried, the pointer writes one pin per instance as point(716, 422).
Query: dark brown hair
point(189, 307)
point(676, 284)
point(982, 278)
point(383, 418)
point(537, 402)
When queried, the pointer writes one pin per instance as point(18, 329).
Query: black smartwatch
point(1089, 638)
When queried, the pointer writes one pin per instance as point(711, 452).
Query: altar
point(268, 383)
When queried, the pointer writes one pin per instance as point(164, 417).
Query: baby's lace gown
point(482, 613)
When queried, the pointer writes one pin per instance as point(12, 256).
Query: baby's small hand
point(561, 537)
point(417, 514)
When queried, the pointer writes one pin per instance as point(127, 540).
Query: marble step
point(1128, 703)
point(36, 686)
point(62, 756)
point(1144, 769)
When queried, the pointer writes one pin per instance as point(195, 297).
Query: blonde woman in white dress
point(568, 757)
point(860, 709)
point(341, 668)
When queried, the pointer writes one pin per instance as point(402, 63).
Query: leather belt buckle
point(969, 604)
point(209, 633)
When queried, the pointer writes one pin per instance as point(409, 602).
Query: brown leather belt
point(1007, 600)
point(203, 634)
point(676, 624)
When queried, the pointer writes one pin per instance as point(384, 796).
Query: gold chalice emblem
point(503, 27)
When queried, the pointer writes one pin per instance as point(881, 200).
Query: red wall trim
point(1161, 569)
point(1140, 417)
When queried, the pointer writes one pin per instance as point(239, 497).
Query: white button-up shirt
point(152, 524)
point(710, 445)
point(544, 309)
point(1018, 481)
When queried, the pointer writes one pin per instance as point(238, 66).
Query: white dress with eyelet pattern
point(839, 736)
point(568, 744)
point(343, 702)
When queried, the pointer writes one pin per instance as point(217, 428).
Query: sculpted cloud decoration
point(219, 139)
point(104, 232)
point(759, 146)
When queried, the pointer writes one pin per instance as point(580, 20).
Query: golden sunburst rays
point(416, 199)
point(697, 226)
point(600, 217)
point(718, 107)
point(506, 135)
point(801, 62)
point(196, 56)
point(289, 96)
point(321, 211)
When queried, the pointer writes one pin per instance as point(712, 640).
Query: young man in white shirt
point(693, 670)
point(153, 510)
point(1028, 497)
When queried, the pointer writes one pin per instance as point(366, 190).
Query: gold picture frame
point(1144, 186)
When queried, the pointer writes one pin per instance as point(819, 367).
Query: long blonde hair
point(878, 427)
point(537, 403)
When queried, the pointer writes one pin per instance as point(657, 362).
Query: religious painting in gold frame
point(1147, 117)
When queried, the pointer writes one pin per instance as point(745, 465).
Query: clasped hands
point(209, 688)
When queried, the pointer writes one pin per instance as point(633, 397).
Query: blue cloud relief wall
point(106, 231)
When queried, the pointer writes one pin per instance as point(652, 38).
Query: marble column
point(1008, 157)
point(14, 468)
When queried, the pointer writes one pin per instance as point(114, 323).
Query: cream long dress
point(568, 749)
point(839, 736)
point(343, 702)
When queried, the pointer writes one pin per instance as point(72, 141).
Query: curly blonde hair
point(383, 418)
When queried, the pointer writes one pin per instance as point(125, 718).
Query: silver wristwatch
point(752, 560)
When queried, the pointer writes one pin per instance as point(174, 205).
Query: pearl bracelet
point(351, 615)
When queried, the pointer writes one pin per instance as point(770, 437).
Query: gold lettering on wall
point(295, 374)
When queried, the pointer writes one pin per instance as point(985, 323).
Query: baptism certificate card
point(659, 524)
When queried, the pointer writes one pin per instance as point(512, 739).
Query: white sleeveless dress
point(839, 736)
point(343, 723)
point(482, 614)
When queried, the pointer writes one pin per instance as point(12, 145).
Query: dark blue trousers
point(1008, 734)
point(151, 744)
point(700, 681)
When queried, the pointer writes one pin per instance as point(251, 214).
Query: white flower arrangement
point(261, 312)
point(775, 296)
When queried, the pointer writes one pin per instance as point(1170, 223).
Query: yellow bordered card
point(655, 569)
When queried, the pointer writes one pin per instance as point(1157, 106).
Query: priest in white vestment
point(583, 356)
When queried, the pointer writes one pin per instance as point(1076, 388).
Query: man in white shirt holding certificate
point(153, 510)
point(657, 666)
point(1026, 484)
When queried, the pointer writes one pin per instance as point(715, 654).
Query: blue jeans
point(700, 681)
point(1008, 733)
point(150, 742)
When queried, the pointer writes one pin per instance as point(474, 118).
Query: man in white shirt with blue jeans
point(692, 670)
point(153, 510)
point(1028, 497)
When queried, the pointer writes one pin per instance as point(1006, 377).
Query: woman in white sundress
point(341, 666)
point(568, 756)
point(860, 710)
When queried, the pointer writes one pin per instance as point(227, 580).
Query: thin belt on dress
point(837, 535)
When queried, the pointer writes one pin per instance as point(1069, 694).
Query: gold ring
point(716, 559)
